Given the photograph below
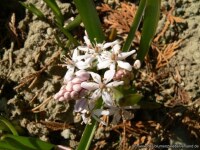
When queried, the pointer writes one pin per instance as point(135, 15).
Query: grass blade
point(151, 17)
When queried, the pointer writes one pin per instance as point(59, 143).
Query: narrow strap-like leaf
point(91, 21)
point(135, 25)
point(151, 17)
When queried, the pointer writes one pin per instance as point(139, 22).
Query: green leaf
point(91, 21)
point(118, 95)
point(6, 125)
point(34, 10)
point(12, 142)
point(135, 25)
point(73, 24)
point(151, 18)
point(56, 10)
point(130, 99)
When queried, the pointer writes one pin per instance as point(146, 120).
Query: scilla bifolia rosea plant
point(99, 77)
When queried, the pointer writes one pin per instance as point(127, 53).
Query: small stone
point(66, 133)
point(49, 31)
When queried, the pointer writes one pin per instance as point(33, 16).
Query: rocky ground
point(30, 75)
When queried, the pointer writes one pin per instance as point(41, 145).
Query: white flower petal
point(96, 77)
point(96, 94)
point(69, 74)
point(100, 112)
point(107, 98)
point(105, 55)
point(103, 64)
point(87, 41)
point(90, 59)
point(124, 55)
point(116, 49)
point(110, 44)
point(108, 76)
point(82, 65)
point(112, 66)
point(114, 84)
point(75, 54)
point(124, 65)
point(90, 85)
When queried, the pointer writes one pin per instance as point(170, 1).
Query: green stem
point(68, 35)
point(89, 131)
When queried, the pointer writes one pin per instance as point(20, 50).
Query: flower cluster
point(72, 90)
point(94, 71)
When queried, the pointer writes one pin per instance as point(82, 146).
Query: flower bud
point(83, 75)
point(123, 74)
point(74, 95)
point(67, 95)
point(76, 80)
point(72, 88)
point(77, 87)
point(69, 86)
point(137, 64)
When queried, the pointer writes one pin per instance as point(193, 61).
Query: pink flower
point(72, 89)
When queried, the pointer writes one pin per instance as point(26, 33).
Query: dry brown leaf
point(166, 53)
point(120, 18)
point(55, 126)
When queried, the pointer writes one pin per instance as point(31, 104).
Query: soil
point(30, 75)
